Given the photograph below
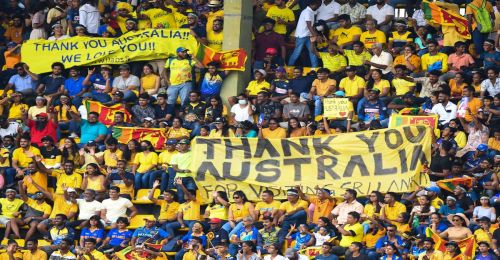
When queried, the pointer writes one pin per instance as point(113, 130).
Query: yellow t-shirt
point(146, 162)
point(218, 211)
point(160, 18)
point(111, 159)
point(414, 60)
point(62, 206)
point(392, 213)
point(34, 110)
point(357, 59)
point(183, 162)
point(322, 87)
point(371, 239)
point(62, 113)
point(322, 208)
point(10, 207)
point(215, 39)
point(493, 144)
point(400, 38)
point(382, 84)
point(180, 70)
point(368, 39)
point(357, 228)
point(71, 181)
point(255, 87)
point(165, 157)
point(402, 86)
point(5, 154)
point(190, 210)
point(428, 60)
point(37, 177)
point(22, 160)
point(333, 62)
point(97, 255)
point(39, 254)
point(266, 209)
point(286, 14)
point(167, 210)
point(215, 133)
point(278, 133)
point(239, 213)
point(44, 207)
point(346, 35)
point(482, 235)
point(148, 82)
point(5, 256)
point(121, 21)
point(369, 210)
point(211, 16)
point(288, 207)
point(352, 87)
point(180, 19)
point(15, 110)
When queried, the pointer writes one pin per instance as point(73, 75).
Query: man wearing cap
point(430, 252)
point(99, 83)
point(474, 159)
point(17, 108)
point(51, 86)
point(373, 109)
point(272, 61)
point(485, 231)
point(292, 212)
point(323, 202)
point(11, 208)
point(24, 81)
point(215, 36)
point(406, 104)
point(216, 10)
point(346, 34)
point(179, 76)
point(265, 40)
point(218, 234)
point(73, 86)
point(126, 83)
point(150, 233)
point(125, 11)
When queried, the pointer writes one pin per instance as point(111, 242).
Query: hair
point(115, 188)
point(127, 153)
point(123, 220)
point(150, 145)
point(72, 151)
point(396, 251)
point(459, 44)
point(435, 73)
point(357, 244)
point(242, 195)
point(426, 208)
point(94, 113)
point(111, 141)
point(392, 194)
point(96, 218)
point(173, 194)
point(216, 64)
point(352, 192)
point(63, 216)
point(268, 218)
point(323, 70)
point(457, 249)
point(355, 215)
point(222, 195)
point(57, 64)
point(371, 82)
point(144, 96)
point(380, 198)
point(33, 240)
point(290, 129)
point(269, 192)
point(250, 244)
point(96, 167)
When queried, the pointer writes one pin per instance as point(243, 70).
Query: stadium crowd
point(72, 191)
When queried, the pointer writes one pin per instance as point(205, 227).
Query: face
point(258, 76)
point(433, 78)
point(350, 219)
point(322, 76)
point(391, 231)
point(23, 143)
point(370, 25)
point(491, 74)
point(21, 71)
point(297, 73)
point(434, 218)
point(294, 98)
point(176, 122)
point(376, 75)
point(92, 118)
point(431, 47)
point(182, 54)
point(58, 30)
point(428, 245)
point(400, 72)
point(456, 221)
point(10, 195)
point(113, 194)
point(450, 248)
point(388, 249)
point(273, 125)
point(458, 78)
point(483, 248)
point(89, 245)
point(388, 198)
point(294, 123)
point(217, 25)
point(143, 102)
point(193, 97)
point(442, 98)
point(147, 70)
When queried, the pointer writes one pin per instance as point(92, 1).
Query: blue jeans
point(143, 180)
point(478, 38)
point(300, 43)
point(195, 128)
point(189, 183)
point(181, 90)
point(101, 97)
point(69, 126)
point(10, 176)
point(235, 230)
point(167, 179)
point(129, 96)
point(318, 103)
point(172, 227)
point(371, 253)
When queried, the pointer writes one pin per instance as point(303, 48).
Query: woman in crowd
point(294, 128)
point(219, 207)
point(215, 109)
point(484, 210)
point(130, 151)
point(57, 33)
point(93, 179)
point(420, 214)
point(243, 110)
point(456, 85)
point(246, 129)
point(70, 152)
point(238, 210)
point(409, 59)
point(459, 229)
point(94, 229)
point(453, 251)
point(39, 107)
point(274, 131)
point(273, 253)
point(391, 252)
point(247, 252)
point(176, 131)
point(144, 165)
point(150, 82)
point(222, 129)
point(378, 81)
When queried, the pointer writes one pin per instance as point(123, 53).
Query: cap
point(350, 68)
point(375, 90)
point(219, 120)
point(124, 67)
point(87, 95)
point(451, 198)
point(292, 192)
point(150, 218)
point(340, 93)
point(192, 15)
point(70, 190)
point(181, 49)
point(261, 71)
point(106, 67)
point(420, 236)
point(184, 141)
point(43, 114)
point(91, 142)
point(48, 138)
point(434, 189)
point(11, 44)
point(119, 93)
point(482, 148)
point(214, 3)
point(131, 20)
point(73, 135)
point(271, 51)
point(171, 142)
point(280, 70)
point(490, 42)
point(40, 98)
point(408, 95)
point(10, 190)
point(215, 221)
point(148, 119)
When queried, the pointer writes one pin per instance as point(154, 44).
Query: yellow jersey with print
point(368, 38)
point(41, 208)
point(190, 210)
point(357, 59)
point(167, 210)
point(400, 40)
point(266, 209)
point(160, 18)
point(402, 86)
point(218, 211)
point(180, 70)
point(254, 87)
point(63, 114)
point(333, 62)
point(240, 211)
point(286, 14)
point(165, 157)
point(22, 159)
point(215, 40)
point(111, 158)
point(63, 206)
point(73, 180)
point(288, 207)
point(9, 207)
point(15, 110)
point(180, 19)
point(37, 177)
point(346, 35)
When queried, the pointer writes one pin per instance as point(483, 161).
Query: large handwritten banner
point(336, 107)
point(82, 51)
point(383, 160)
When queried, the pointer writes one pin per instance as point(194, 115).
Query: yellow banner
point(85, 51)
point(383, 160)
point(335, 107)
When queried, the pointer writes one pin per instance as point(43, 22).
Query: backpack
point(483, 18)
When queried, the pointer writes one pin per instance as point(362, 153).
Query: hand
point(10, 249)
point(156, 184)
point(292, 227)
point(178, 181)
point(215, 194)
point(81, 152)
point(15, 214)
point(366, 62)
point(407, 56)
point(38, 158)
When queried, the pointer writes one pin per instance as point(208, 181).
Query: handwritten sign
point(336, 107)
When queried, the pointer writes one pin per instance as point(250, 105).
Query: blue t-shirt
point(91, 131)
point(486, 55)
point(116, 237)
point(245, 235)
point(301, 84)
point(74, 86)
point(98, 83)
point(98, 233)
point(187, 238)
point(490, 256)
point(154, 234)
point(384, 241)
point(445, 210)
point(73, 16)
point(211, 85)
point(300, 239)
point(52, 84)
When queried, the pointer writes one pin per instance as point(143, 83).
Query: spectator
point(265, 40)
point(89, 16)
point(372, 35)
point(116, 207)
point(445, 109)
point(346, 34)
point(118, 237)
point(381, 60)
point(194, 113)
point(382, 13)
point(215, 36)
point(64, 250)
point(100, 85)
point(434, 60)
point(472, 14)
point(273, 131)
point(491, 84)
point(460, 61)
point(126, 83)
point(211, 83)
point(490, 56)
point(322, 87)
point(372, 109)
point(24, 81)
point(355, 10)
point(352, 231)
point(305, 33)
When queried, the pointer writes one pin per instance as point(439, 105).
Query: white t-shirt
point(83, 111)
point(301, 30)
point(492, 89)
point(10, 130)
point(445, 113)
point(88, 209)
point(116, 208)
point(89, 17)
point(122, 84)
point(385, 58)
point(53, 38)
point(320, 239)
point(241, 114)
point(326, 12)
point(278, 257)
point(380, 14)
